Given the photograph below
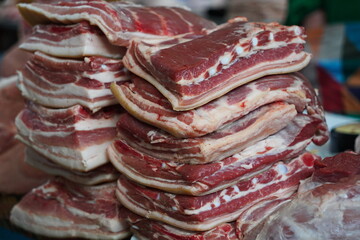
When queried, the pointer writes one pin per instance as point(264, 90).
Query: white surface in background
point(332, 121)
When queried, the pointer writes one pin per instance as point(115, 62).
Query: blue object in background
point(6, 234)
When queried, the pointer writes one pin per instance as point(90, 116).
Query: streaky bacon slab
point(145, 102)
point(102, 174)
point(206, 178)
point(71, 41)
point(144, 228)
point(205, 68)
point(72, 137)
point(120, 21)
point(326, 205)
point(62, 83)
point(212, 147)
point(62, 209)
point(202, 213)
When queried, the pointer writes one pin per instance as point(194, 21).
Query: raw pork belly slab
point(201, 213)
point(194, 72)
point(119, 21)
point(73, 41)
point(63, 209)
point(327, 205)
point(72, 137)
point(215, 146)
point(147, 104)
point(205, 178)
point(61, 83)
point(102, 174)
point(144, 229)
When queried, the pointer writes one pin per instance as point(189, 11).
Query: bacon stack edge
point(158, 123)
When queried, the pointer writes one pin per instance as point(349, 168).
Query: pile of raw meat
point(209, 138)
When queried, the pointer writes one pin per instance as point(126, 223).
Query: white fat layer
point(47, 166)
point(81, 125)
point(113, 224)
point(86, 44)
point(5, 82)
point(74, 95)
point(84, 159)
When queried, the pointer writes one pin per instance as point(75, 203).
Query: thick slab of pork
point(62, 83)
point(201, 213)
point(72, 137)
point(61, 209)
point(102, 174)
point(119, 21)
point(71, 41)
point(215, 146)
point(146, 103)
point(194, 72)
point(146, 229)
point(206, 178)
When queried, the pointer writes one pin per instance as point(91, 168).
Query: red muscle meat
point(201, 213)
point(62, 83)
point(102, 174)
point(77, 40)
point(326, 207)
point(212, 147)
point(196, 71)
point(205, 178)
point(120, 21)
point(147, 104)
point(63, 209)
point(72, 137)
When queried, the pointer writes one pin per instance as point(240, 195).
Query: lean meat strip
point(72, 137)
point(62, 83)
point(119, 21)
point(147, 104)
point(206, 178)
point(63, 209)
point(192, 73)
point(212, 147)
point(326, 207)
point(202, 213)
point(72, 41)
point(102, 174)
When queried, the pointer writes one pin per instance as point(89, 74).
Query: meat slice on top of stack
point(71, 114)
point(214, 125)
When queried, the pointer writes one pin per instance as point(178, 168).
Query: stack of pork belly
point(215, 134)
point(210, 137)
point(71, 114)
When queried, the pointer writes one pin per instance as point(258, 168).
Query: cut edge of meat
point(37, 160)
